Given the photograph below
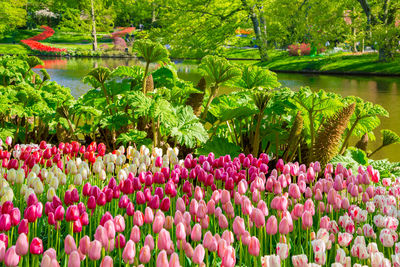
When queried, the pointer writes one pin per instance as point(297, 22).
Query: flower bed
point(121, 32)
point(78, 205)
point(34, 45)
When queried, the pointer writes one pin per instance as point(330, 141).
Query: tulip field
point(75, 205)
point(34, 45)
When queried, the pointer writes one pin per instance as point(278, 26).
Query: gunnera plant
point(330, 135)
point(195, 100)
point(363, 143)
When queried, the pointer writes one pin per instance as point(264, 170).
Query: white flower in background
point(20, 176)
point(133, 169)
point(46, 13)
point(11, 175)
point(122, 175)
point(50, 194)
point(53, 182)
point(102, 175)
point(36, 169)
point(110, 167)
point(78, 179)
point(142, 168)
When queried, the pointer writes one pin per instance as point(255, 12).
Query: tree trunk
point(153, 12)
point(93, 27)
point(260, 30)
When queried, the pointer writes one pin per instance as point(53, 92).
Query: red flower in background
point(122, 32)
point(36, 46)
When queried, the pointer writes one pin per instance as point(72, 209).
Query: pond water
point(380, 90)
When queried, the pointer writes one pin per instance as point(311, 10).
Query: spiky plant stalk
point(294, 136)
point(195, 100)
point(330, 135)
point(261, 100)
point(149, 83)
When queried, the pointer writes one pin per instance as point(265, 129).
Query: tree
point(381, 18)
point(93, 26)
point(12, 14)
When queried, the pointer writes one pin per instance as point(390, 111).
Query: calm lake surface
point(380, 90)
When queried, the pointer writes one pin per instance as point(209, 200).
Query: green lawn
point(11, 49)
point(342, 62)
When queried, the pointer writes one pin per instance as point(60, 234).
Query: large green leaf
point(187, 130)
point(151, 52)
point(255, 76)
point(218, 69)
point(135, 137)
point(220, 147)
point(235, 105)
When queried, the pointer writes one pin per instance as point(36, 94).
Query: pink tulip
point(95, 250)
point(11, 258)
point(107, 262)
point(22, 245)
point(222, 221)
point(158, 224)
point(84, 245)
point(129, 252)
point(138, 218)
point(47, 261)
point(101, 235)
point(196, 232)
point(229, 258)
point(144, 255)
point(238, 226)
point(164, 240)
point(284, 226)
point(74, 259)
point(69, 245)
point(254, 246)
point(162, 259)
point(149, 241)
point(188, 250)
point(119, 222)
point(148, 215)
point(174, 260)
point(307, 220)
point(198, 255)
point(180, 231)
point(258, 217)
point(272, 225)
point(135, 234)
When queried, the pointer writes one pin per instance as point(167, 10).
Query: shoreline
point(304, 71)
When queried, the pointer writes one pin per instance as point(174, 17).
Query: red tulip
point(30, 213)
point(5, 222)
point(59, 213)
point(36, 246)
point(23, 227)
point(72, 213)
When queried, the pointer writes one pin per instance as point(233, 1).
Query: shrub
point(302, 49)
point(119, 44)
